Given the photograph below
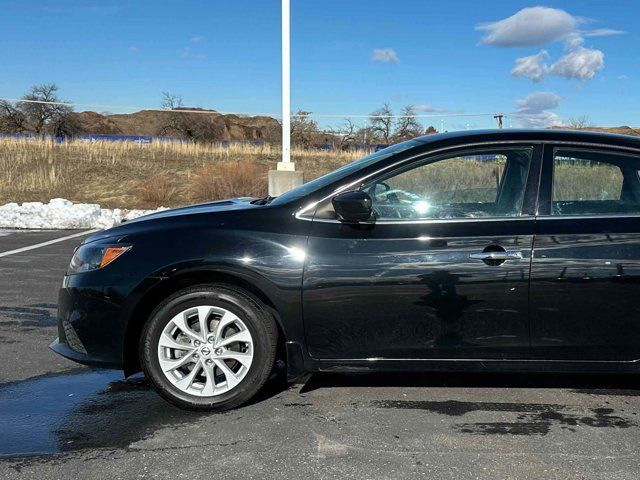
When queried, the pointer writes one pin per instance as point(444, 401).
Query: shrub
point(155, 191)
point(227, 180)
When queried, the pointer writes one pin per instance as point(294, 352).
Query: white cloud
point(573, 41)
point(623, 77)
point(428, 109)
point(196, 39)
point(386, 55)
point(538, 101)
point(541, 120)
point(542, 25)
point(580, 64)
point(530, 26)
point(534, 110)
point(603, 32)
point(533, 67)
point(134, 49)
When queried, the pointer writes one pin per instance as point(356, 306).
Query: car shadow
point(521, 414)
point(609, 384)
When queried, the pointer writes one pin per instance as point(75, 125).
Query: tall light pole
point(286, 87)
point(285, 177)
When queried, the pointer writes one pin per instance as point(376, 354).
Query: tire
point(182, 386)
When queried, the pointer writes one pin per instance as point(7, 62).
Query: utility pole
point(499, 117)
point(285, 177)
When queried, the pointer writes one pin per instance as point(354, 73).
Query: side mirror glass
point(352, 206)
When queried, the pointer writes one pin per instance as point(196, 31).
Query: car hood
point(150, 221)
point(239, 203)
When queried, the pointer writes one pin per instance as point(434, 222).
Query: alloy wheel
point(205, 351)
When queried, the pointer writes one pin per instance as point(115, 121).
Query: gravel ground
point(60, 420)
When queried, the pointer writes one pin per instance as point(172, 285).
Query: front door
point(585, 274)
point(442, 271)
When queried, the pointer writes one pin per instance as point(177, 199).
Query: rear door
point(585, 273)
point(442, 272)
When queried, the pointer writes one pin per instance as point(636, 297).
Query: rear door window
point(594, 183)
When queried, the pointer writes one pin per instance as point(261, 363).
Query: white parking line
point(44, 244)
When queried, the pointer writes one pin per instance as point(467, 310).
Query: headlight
point(91, 257)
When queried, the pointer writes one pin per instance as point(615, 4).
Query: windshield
point(344, 171)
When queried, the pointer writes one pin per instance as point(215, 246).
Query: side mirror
point(352, 206)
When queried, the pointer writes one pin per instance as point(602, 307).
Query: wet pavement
point(59, 420)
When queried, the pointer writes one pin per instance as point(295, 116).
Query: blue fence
point(94, 137)
point(97, 137)
point(18, 136)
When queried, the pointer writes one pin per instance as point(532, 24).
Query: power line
point(350, 115)
point(138, 108)
point(247, 114)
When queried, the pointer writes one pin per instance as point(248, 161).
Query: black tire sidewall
point(241, 306)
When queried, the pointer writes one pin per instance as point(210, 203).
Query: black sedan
point(487, 250)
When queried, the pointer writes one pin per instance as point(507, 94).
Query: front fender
point(269, 266)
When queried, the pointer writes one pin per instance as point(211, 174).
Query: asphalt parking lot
point(61, 420)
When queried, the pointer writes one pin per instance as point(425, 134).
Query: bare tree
point(273, 133)
point(304, 130)
point(171, 101)
point(189, 123)
point(65, 126)
point(11, 118)
point(579, 122)
point(365, 136)
point(407, 126)
point(381, 122)
point(42, 107)
point(197, 127)
point(349, 132)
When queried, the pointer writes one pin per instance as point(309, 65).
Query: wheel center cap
point(205, 351)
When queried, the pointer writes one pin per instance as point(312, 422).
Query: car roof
point(508, 134)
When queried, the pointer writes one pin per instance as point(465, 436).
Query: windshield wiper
point(263, 201)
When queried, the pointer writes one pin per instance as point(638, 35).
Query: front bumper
point(90, 324)
point(62, 348)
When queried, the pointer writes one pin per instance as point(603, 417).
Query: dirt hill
point(207, 123)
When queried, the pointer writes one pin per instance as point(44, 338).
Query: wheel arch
point(150, 300)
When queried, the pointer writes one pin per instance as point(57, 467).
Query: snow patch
point(64, 214)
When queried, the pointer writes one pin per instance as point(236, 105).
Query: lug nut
point(196, 343)
point(196, 356)
point(211, 339)
point(219, 350)
point(209, 362)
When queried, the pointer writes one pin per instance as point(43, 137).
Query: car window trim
point(433, 220)
point(588, 216)
point(536, 147)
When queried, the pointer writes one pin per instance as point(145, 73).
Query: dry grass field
point(128, 175)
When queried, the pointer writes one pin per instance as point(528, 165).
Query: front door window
point(487, 183)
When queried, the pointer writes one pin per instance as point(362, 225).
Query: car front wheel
point(210, 347)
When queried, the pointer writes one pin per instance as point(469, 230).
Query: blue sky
point(577, 57)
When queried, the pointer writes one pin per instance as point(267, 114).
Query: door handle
point(499, 255)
